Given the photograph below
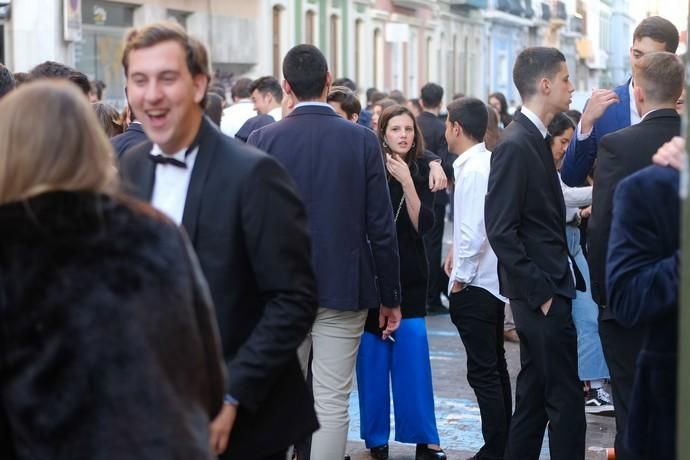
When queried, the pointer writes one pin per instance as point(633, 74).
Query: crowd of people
point(198, 276)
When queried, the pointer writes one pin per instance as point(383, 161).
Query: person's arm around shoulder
point(641, 285)
point(505, 200)
point(380, 229)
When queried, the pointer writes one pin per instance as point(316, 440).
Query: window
point(334, 55)
point(359, 26)
point(277, 35)
point(310, 29)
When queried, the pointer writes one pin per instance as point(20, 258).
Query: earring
point(414, 144)
point(385, 144)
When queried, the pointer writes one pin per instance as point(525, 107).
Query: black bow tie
point(167, 160)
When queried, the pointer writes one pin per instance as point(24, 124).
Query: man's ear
point(200, 87)
point(287, 89)
point(545, 86)
point(355, 118)
point(638, 93)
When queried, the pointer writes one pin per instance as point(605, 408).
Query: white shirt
point(474, 262)
point(635, 117)
point(276, 113)
point(171, 182)
point(536, 121)
point(235, 116)
point(314, 104)
point(575, 198)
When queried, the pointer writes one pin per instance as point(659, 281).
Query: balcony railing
point(479, 4)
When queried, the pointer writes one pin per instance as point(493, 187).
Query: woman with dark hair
point(498, 101)
point(109, 118)
point(110, 348)
point(404, 360)
point(493, 131)
point(591, 364)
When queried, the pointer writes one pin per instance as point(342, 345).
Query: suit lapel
point(140, 173)
point(204, 158)
point(623, 107)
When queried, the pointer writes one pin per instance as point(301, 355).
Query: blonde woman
point(108, 348)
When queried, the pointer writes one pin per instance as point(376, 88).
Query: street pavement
point(457, 413)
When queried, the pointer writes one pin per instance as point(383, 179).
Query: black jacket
point(248, 228)
point(108, 342)
point(525, 217)
point(620, 154)
point(133, 135)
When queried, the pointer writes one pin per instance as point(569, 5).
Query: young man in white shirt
point(476, 307)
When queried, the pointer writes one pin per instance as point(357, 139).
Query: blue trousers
point(590, 356)
point(406, 364)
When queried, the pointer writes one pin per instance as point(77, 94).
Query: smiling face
point(263, 102)
point(164, 95)
point(400, 134)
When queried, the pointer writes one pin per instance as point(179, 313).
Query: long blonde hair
point(50, 140)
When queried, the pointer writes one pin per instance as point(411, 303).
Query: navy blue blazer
point(643, 283)
point(338, 168)
point(580, 155)
point(133, 135)
point(251, 125)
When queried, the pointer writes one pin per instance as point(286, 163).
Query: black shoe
point(434, 310)
point(347, 457)
point(380, 452)
point(424, 453)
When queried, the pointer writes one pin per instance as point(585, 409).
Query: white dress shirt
point(536, 121)
point(235, 116)
point(276, 113)
point(474, 262)
point(171, 183)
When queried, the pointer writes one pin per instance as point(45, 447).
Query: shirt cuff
point(580, 135)
point(227, 399)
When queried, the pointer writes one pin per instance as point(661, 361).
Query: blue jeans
point(591, 364)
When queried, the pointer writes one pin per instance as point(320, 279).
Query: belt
point(577, 220)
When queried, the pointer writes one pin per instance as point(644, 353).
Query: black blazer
point(525, 217)
point(434, 133)
point(133, 135)
point(338, 168)
point(620, 154)
point(248, 228)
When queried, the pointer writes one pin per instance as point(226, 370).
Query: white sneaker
point(598, 401)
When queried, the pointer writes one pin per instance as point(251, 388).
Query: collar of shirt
point(314, 104)
point(635, 117)
point(469, 153)
point(647, 114)
point(276, 113)
point(536, 121)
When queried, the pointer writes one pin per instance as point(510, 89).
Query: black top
point(414, 271)
point(434, 132)
point(133, 135)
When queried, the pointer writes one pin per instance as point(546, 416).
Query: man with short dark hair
point(247, 226)
point(7, 82)
point(610, 110)
point(658, 84)
point(344, 102)
point(525, 225)
point(267, 96)
point(339, 171)
point(476, 306)
point(433, 130)
point(51, 69)
point(241, 109)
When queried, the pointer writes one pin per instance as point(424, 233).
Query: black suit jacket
point(133, 135)
point(248, 228)
point(525, 217)
point(620, 154)
point(434, 133)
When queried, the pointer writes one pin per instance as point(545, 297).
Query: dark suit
point(338, 168)
point(251, 125)
point(643, 279)
point(620, 154)
point(434, 131)
point(248, 228)
point(133, 135)
point(525, 224)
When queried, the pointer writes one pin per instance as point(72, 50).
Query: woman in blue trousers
point(403, 361)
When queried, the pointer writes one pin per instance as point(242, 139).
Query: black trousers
point(548, 387)
point(433, 242)
point(621, 347)
point(478, 315)
point(277, 456)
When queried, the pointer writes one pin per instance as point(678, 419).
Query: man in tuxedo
point(434, 130)
point(338, 168)
point(658, 85)
point(248, 228)
point(133, 135)
point(610, 110)
point(525, 224)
